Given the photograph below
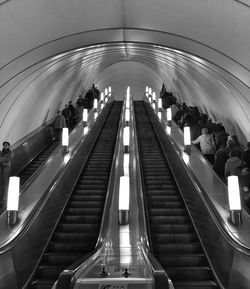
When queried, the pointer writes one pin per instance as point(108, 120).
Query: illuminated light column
point(153, 105)
point(146, 91)
point(169, 116)
point(168, 130)
point(85, 116)
point(95, 104)
point(124, 197)
point(102, 96)
point(106, 91)
point(159, 103)
point(150, 91)
point(13, 200)
point(187, 140)
point(85, 130)
point(234, 200)
point(65, 140)
point(127, 116)
point(102, 106)
point(126, 164)
point(109, 90)
point(127, 99)
point(154, 97)
point(159, 115)
point(95, 115)
point(126, 139)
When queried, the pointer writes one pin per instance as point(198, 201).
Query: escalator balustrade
point(37, 162)
point(77, 230)
point(174, 240)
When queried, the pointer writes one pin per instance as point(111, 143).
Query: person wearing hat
point(6, 156)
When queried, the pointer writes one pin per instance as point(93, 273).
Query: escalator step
point(86, 198)
point(63, 259)
point(83, 211)
point(168, 212)
point(163, 198)
point(169, 205)
point(41, 284)
point(77, 237)
point(195, 285)
point(189, 273)
point(172, 228)
point(90, 219)
point(49, 272)
point(169, 220)
point(89, 204)
point(187, 260)
point(64, 227)
point(178, 248)
point(174, 238)
point(70, 247)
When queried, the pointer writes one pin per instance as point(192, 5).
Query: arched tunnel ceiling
point(55, 49)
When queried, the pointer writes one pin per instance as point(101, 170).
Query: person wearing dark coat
point(59, 124)
point(246, 155)
point(220, 159)
point(67, 114)
point(80, 101)
point(6, 156)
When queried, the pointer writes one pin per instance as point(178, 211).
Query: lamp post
point(13, 200)
point(159, 103)
point(127, 116)
point(65, 140)
point(85, 117)
point(187, 140)
point(124, 196)
point(126, 139)
point(169, 116)
point(95, 104)
point(234, 200)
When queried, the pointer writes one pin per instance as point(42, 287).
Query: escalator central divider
point(77, 230)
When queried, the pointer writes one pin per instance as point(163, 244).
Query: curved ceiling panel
point(54, 50)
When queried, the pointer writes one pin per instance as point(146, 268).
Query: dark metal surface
point(229, 259)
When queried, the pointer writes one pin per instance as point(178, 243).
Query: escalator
point(78, 228)
point(174, 240)
point(36, 163)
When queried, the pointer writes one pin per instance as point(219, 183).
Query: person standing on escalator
point(6, 156)
point(59, 124)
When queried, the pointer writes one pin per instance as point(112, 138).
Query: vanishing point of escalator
point(174, 240)
point(77, 230)
point(36, 163)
